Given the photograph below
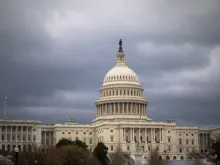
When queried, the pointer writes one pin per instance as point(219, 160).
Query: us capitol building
point(121, 123)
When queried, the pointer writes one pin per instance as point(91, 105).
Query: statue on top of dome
point(120, 46)
point(120, 42)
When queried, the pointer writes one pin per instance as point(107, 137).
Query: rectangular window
point(180, 150)
point(90, 141)
point(148, 148)
point(192, 142)
point(111, 138)
point(128, 148)
point(169, 148)
point(111, 148)
point(168, 139)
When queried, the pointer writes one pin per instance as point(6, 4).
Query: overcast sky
point(54, 56)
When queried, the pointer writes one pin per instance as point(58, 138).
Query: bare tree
point(5, 161)
point(194, 158)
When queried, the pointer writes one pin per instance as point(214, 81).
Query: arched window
point(124, 93)
point(181, 157)
point(109, 93)
point(174, 158)
point(131, 93)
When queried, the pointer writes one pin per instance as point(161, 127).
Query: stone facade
point(121, 123)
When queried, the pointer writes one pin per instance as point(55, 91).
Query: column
point(118, 105)
point(139, 132)
point(21, 133)
point(139, 108)
point(152, 139)
point(6, 133)
point(130, 134)
point(16, 134)
point(114, 108)
point(106, 109)
point(49, 134)
point(145, 135)
point(123, 108)
point(45, 137)
point(31, 134)
point(123, 134)
point(27, 133)
point(11, 134)
point(203, 139)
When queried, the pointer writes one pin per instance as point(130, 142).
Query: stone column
point(31, 134)
point(49, 135)
point(123, 108)
point(6, 133)
point(118, 108)
point(114, 108)
point(152, 137)
point(139, 137)
point(27, 133)
point(11, 134)
point(45, 137)
point(21, 133)
point(204, 140)
point(145, 135)
point(130, 134)
point(16, 134)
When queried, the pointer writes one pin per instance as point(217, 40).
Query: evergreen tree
point(100, 153)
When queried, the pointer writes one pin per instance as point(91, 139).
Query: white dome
point(121, 73)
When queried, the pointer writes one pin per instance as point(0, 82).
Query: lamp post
point(16, 150)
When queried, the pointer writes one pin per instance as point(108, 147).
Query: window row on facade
point(121, 77)
point(18, 138)
point(121, 108)
point(124, 92)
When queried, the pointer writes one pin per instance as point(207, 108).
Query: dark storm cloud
point(54, 55)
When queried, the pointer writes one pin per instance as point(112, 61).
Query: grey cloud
point(49, 46)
